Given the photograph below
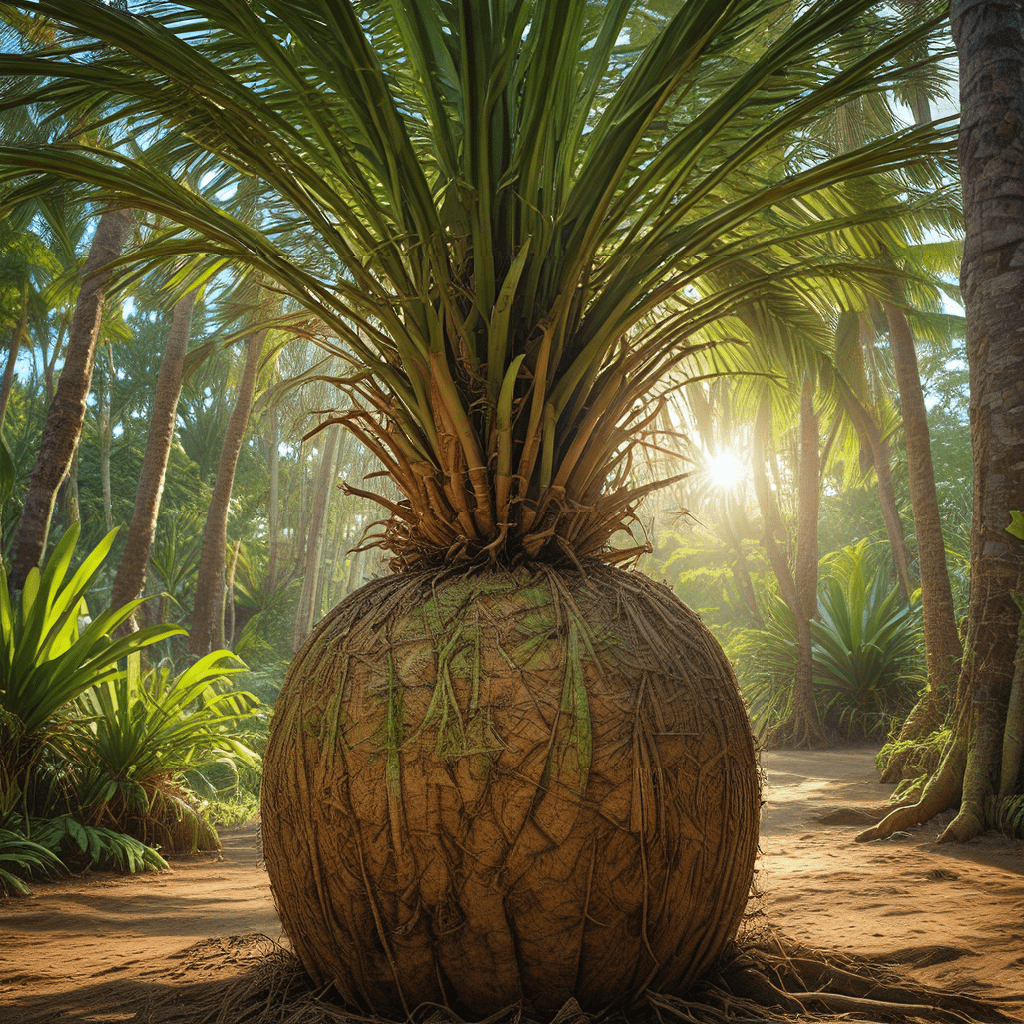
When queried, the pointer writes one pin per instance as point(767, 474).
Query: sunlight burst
point(726, 470)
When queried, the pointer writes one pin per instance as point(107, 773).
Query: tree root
point(941, 792)
point(796, 733)
point(764, 980)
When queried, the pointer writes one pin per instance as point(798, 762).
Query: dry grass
point(763, 979)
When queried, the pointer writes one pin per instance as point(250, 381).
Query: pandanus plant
point(511, 770)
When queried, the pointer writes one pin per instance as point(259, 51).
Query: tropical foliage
point(866, 644)
point(772, 206)
point(51, 651)
point(272, 508)
point(140, 736)
point(95, 756)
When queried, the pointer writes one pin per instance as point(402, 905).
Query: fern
point(101, 847)
point(1010, 816)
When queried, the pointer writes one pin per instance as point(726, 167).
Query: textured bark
point(131, 571)
point(306, 612)
point(64, 421)
point(207, 633)
point(1013, 736)
point(503, 786)
point(7, 381)
point(990, 43)
point(942, 646)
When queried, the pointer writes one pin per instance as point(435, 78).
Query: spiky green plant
point(866, 649)
point(20, 858)
point(520, 224)
point(141, 733)
point(49, 655)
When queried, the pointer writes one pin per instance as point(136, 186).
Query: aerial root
point(764, 980)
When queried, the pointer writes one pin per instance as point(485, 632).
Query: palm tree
point(509, 771)
point(67, 410)
point(981, 760)
point(131, 570)
point(943, 649)
point(207, 633)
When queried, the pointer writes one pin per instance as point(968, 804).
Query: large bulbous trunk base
point(506, 786)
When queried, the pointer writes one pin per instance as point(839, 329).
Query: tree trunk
point(12, 356)
point(131, 571)
point(799, 587)
point(305, 614)
point(63, 424)
point(273, 499)
point(70, 511)
point(990, 42)
point(942, 647)
point(865, 419)
point(106, 440)
point(207, 632)
point(229, 615)
point(807, 731)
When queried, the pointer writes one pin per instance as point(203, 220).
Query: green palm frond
point(515, 220)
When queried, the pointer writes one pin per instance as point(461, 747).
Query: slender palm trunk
point(881, 457)
point(67, 412)
point(990, 42)
point(273, 499)
point(70, 511)
point(798, 586)
point(229, 614)
point(12, 355)
point(306, 611)
point(207, 632)
point(131, 571)
point(106, 440)
point(942, 646)
point(807, 731)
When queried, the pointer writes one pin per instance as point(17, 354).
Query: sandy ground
point(955, 910)
point(953, 913)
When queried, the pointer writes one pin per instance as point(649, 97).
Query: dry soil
point(94, 947)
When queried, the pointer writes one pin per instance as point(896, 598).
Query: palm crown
point(520, 222)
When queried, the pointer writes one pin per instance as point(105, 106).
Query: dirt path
point(955, 914)
point(956, 911)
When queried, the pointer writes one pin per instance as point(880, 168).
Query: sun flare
point(726, 470)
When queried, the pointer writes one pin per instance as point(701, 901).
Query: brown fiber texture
point(510, 786)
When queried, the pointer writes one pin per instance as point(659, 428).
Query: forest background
point(817, 509)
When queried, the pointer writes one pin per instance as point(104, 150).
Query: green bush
point(866, 644)
point(47, 660)
point(139, 734)
point(95, 755)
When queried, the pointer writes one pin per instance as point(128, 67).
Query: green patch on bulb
point(393, 729)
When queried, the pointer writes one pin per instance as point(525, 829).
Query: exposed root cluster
point(767, 979)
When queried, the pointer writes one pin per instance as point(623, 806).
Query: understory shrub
point(138, 734)
point(100, 759)
point(866, 649)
